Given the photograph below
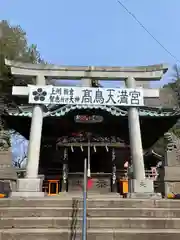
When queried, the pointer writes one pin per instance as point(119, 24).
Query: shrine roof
point(116, 111)
point(59, 121)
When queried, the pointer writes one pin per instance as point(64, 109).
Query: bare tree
point(176, 72)
point(20, 161)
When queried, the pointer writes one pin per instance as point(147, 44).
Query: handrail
point(84, 225)
point(75, 207)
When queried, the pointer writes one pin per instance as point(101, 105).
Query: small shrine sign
point(85, 96)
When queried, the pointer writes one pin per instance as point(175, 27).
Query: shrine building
point(113, 128)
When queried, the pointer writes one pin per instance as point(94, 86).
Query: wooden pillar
point(65, 171)
point(114, 178)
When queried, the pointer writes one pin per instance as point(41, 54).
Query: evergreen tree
point(13, 46)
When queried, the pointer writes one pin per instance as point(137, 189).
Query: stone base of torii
point(31, 186)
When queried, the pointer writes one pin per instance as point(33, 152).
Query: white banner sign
point(86, 95)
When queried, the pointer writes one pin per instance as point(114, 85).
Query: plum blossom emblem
point(39, 95)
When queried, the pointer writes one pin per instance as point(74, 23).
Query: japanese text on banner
point(82, 95)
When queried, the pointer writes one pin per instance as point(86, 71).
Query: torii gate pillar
point(31, 185)
point(139, 186)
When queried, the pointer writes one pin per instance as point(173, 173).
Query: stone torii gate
point(31, 185)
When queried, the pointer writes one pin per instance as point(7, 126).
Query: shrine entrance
point(100, 152)
point(99, 169)
point(100, 161)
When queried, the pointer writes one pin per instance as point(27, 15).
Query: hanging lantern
point(126, 164)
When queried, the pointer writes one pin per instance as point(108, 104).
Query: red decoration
point(76, 134)
point(89, 183)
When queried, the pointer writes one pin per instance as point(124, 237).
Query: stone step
point(92, 223)
point(91, 212)
point(98, 234)
point(91, 203)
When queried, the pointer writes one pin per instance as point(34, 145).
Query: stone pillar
point(34, 142)
point(31, 186)
point(135, 137)
point(139, 185)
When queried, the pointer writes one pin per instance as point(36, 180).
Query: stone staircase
point(60, 218)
